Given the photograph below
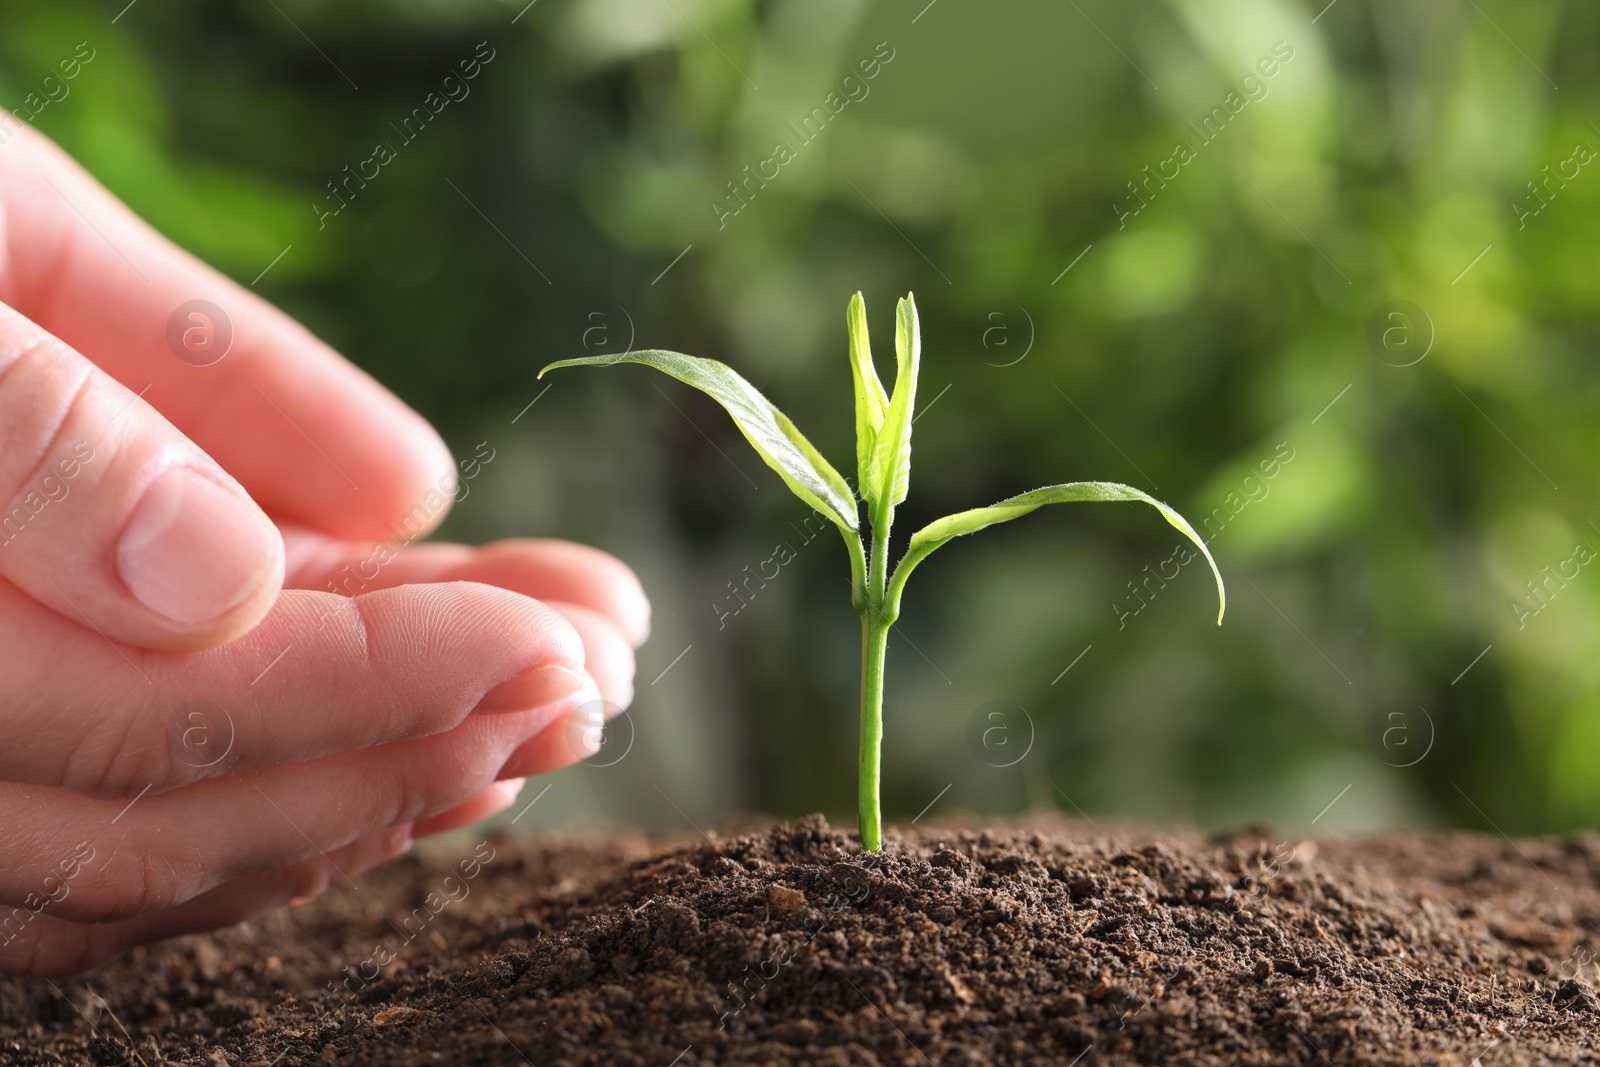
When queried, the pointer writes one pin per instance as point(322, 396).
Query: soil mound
point(1044, 943)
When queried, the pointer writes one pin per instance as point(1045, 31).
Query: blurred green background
point(1096, 303)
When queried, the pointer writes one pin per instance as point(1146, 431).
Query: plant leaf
point(768, 430)
point(871, 401)
point(942, 530)
point(891, 459)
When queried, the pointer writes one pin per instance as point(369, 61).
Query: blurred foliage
point(578, 199)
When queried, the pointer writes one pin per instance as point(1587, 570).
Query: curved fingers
point(321, 675)
point(125, 860)
point(47, 946)
point(538, 567)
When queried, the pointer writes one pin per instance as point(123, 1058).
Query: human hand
point(168, 536)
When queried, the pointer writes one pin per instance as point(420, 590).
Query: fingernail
point(533, 688)
point(400, 841)
point(586, 726)
point(508, 791)
point(561, 742)
point(192, 550)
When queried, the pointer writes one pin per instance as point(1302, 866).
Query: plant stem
point(858, 572)
point(876, 618)
point(878, 576)
point(874, 646)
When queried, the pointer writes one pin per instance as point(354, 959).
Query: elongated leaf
point(768, 430)
point(942, 530)
point(872, 402)
point(891, 458)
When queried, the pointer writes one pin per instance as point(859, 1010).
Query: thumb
point(111, 516)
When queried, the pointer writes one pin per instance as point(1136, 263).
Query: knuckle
point(121, 753)
point(363, 625)
point(54, 950)
point(344, 624)
point(45, 389)
point(400, 672)
point(409, 800)
point(133, 882)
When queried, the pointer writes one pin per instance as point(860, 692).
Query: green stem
point(858, 571)
point(874, 645)
point(897, 583)
point(879, 575)
point(876, 619)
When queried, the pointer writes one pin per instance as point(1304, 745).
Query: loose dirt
point(1043, 943)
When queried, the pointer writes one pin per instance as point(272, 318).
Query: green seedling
point(883, 465)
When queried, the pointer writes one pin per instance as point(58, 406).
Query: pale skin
point(193, 548)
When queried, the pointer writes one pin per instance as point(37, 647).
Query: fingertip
point(202, 560)
point(534, 632)
point(515, 653)
point(554, 633)
point(564, 570)
point(608, 655)
point(501, 795)
point(364, 465)
point(631, 604)
point(492, 801)
point(571, 738)
point(638, 627)
point(538, 686)
point(431, 469)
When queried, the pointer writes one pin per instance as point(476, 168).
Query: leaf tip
point(908, 325)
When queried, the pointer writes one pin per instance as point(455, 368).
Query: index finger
point(310, 437)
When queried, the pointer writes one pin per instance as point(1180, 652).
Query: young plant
point(883, 465)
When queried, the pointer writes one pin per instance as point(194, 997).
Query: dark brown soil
point(1047, 943)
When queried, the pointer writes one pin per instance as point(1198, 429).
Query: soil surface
point(1044, 943)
